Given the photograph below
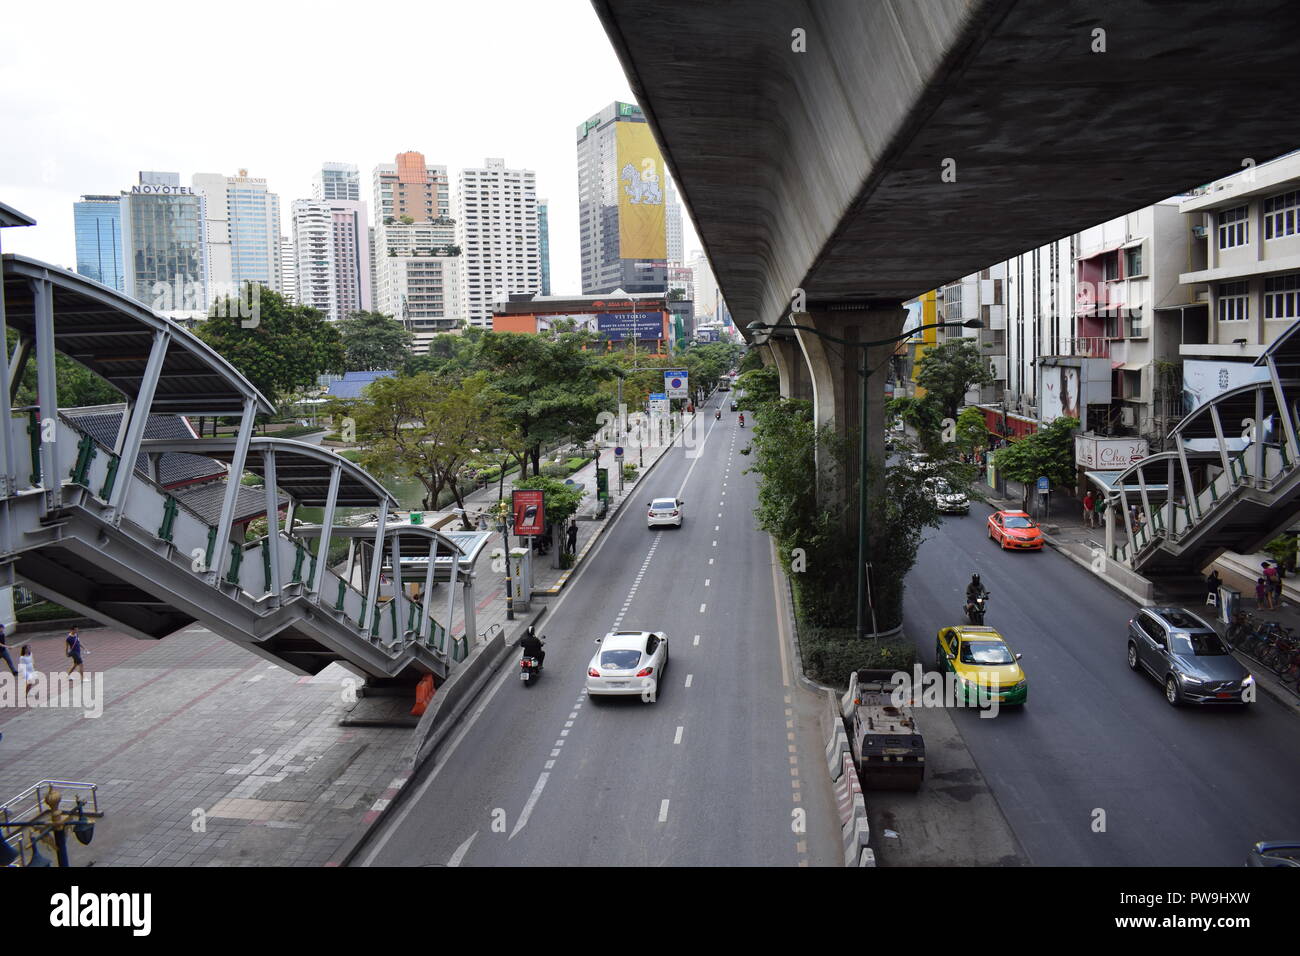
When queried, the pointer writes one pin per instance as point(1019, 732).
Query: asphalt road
point(715, 772)
point(1097, 744)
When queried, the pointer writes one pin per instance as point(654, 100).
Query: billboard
point(530, 513)
point(1204, 380)
point(676, 384)
point(578, 323)
point(1108, 454)
point(639, 168)
point(1060, 393)
point(627, 325)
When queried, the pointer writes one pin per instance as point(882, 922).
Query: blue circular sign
point(618, 452)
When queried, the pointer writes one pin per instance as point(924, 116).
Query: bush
point(830, 655)
point(45, 611)
point(294, 430)
point(629, 472)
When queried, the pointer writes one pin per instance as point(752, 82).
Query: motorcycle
point(718, 415)
point(742, 421)
point(530, 668)
point(975, 609)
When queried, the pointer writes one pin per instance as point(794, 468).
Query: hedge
point(45, 611)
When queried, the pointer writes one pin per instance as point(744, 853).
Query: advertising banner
point(627, 325)
point(530, 516)
point(640, 171)
point(676, 383)
point(1203, 380)
point(1108, 454)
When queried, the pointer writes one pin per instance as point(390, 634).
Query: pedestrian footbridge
point(119, 544)
point(1230, 483)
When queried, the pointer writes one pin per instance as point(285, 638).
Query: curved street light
point(762, 334)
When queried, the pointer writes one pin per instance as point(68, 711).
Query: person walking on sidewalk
point(72, 649)
point(1262, 595)
point(1089, 512)
point(1274, 582)
point(4, 652)
point(573, 537)
point(1212, 585)
point(28, 666)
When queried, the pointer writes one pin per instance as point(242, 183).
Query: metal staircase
point(82, 529)
point(1231, 482)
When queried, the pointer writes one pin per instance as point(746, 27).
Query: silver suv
point(1187, 656)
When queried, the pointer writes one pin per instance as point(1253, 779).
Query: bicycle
point(1243, 624)
point(1290, 670)
point(1279, 649)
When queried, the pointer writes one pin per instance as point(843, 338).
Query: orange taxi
point(1016, 530)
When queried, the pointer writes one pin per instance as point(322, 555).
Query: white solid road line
point(663, 811)
point(461, 850)
point(528, 807)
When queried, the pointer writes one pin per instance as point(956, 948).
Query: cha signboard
point(1108, 454)
point(530, 513)
point(676, 384)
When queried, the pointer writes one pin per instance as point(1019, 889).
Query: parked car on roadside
point(1187, 656)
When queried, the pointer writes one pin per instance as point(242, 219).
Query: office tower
point(98, 224)
point(621, 214)
point(544, 242)
point(242, 224)
point(333, 253)
point(417, 259)
point(163, 245)
point(337, 181)
point(498, 232)
point(673, 225)
point(288, 270)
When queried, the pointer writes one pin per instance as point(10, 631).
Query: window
point(1232, 228)
point(1234, 306)
point(1110, 266)
point(1282, 297)
point(1133, 261)
point(1282, 215)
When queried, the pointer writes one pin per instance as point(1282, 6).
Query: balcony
point(1089, 346)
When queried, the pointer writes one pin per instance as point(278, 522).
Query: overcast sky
point(91, 93)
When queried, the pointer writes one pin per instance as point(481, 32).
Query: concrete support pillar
point(836, 385)
point(793, 369)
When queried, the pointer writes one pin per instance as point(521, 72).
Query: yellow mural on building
point(640, 170)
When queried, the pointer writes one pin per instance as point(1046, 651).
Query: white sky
point(93, 92)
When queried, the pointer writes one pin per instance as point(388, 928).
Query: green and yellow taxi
point(985, 667)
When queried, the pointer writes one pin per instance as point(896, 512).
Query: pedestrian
point(72, 649)
point(28, 666)
point(1261, 595)
point(573, 537)
point(1089, 512)
point(4, 652)
point(1274, 582)
point(1099, 509)
point(1212, 585)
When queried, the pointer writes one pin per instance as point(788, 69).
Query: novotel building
point(163, 244)
point(617, 317)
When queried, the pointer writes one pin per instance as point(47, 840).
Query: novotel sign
point(164, 190)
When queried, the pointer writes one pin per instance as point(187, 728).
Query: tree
point(676, 295)
point(950, 370)
point(373, 341)
point(425, 429)
point(560, 503)
point(450, 353)
point(922, 415)
point(972, 430)
point(288, 348)
point(549, 386)
point(759, 387)
point(1049, 452)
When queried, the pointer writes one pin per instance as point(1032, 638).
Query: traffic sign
point(1042, 485)
point(618, 451)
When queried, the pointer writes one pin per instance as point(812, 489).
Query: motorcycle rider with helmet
point(531, 645)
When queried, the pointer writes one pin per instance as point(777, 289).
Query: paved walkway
point(208, 755)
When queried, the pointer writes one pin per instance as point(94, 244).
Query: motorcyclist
point(742, 419)
point(974, 590)
point(718, 414)
point(532, 646)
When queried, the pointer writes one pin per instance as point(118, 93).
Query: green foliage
point(373, 341)
point(629, 472)
point(948, 371)
point(972, 430)
point(753, 359)
point(560, 501)
point(1283, 550)
point(1049, 451)
point(450, 354)
point(45, 611)
point(922, 414)
point(77, 385)
point(758, 387)
point(289, 348)
point(428, 430)
point(830, 655)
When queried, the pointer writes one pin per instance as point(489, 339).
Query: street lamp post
point(761, 334)
point(507, 522)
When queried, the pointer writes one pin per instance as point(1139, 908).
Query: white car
point(664, 511)
point(628, 663)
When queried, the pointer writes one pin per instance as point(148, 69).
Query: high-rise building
point(496, 212)
point(242, 224)
point(98, 223)
point(673, 225)
point(417, 260)
point(337, 181)
point(333, 253)
point(163, 245)
point(288, 269)
point(706, 294)
point(621, 214)
point(544, 242)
